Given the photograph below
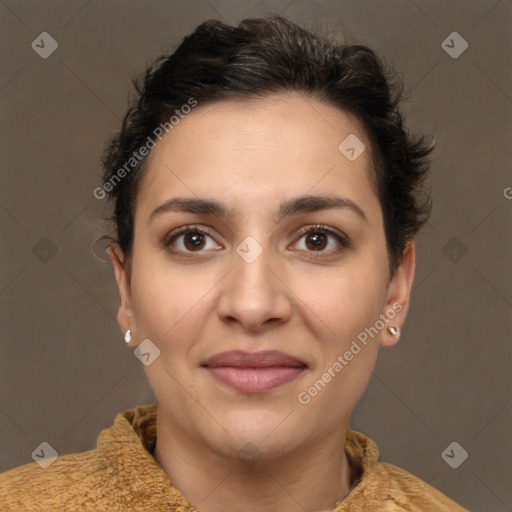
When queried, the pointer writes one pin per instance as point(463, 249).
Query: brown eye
point(316, 241)
point(190, 239)
point(318, 238)
point(193, 241)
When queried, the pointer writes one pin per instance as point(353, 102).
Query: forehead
point(253, 151)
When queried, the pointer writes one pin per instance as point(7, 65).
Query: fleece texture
point(121, 474)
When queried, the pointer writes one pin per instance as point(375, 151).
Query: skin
point(252, 156)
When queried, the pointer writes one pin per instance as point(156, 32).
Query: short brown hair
point(269, 55)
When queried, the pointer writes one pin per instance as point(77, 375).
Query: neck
point(313, 478)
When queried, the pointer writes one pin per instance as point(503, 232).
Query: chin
point(268, 434)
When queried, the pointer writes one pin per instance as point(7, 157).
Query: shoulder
point(120, 474)
point(385, 487)
point(410, 493)
point(73, 478)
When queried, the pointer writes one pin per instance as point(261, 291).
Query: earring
point(395, 331)
point(128, 336)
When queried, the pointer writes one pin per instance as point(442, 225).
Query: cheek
point(348, 306)
point(168, 298)
point(346, 299)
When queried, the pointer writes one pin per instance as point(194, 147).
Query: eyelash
point(342, 239)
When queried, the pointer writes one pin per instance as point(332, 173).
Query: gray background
point(65, 372)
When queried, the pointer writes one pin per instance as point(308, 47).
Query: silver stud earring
point(395, 331)
point(128, 336)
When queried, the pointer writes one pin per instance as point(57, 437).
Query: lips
point(255, 372)
point(266, 359)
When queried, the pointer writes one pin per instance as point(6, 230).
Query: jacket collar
point(128, 448)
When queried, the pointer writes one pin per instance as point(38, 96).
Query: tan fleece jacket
point(122, 475)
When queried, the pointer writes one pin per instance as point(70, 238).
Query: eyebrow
point(293, 206)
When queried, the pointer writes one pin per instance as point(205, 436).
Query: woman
point(266, 197)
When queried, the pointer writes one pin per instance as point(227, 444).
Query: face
point(297, 287)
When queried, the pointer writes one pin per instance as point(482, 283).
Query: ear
point(399, 291)
point(125, 314)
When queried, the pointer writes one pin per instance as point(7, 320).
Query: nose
point(253, 295)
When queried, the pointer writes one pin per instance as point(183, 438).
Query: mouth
point(255, 372)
